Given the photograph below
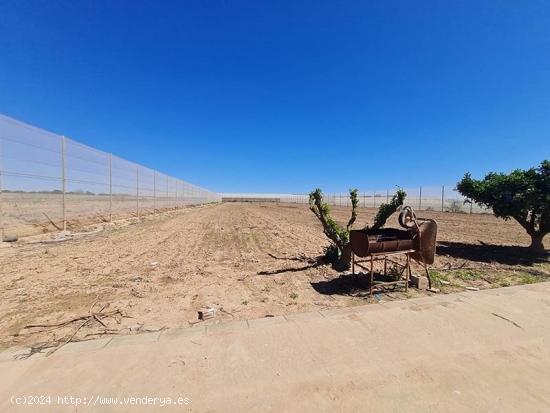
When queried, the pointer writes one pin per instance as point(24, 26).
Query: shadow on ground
point(310, 263)
point(509, 255)
point(348, 284)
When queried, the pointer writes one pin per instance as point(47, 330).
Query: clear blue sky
point(285, 96)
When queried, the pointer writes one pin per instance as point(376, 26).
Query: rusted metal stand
point(384, 256)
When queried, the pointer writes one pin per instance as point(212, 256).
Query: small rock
point(419, 281)
point(136, 327)
point(10, 238)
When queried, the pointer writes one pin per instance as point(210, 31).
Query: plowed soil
point(243, 260)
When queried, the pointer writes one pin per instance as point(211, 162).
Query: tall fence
point(435, 198)
point(47, 180)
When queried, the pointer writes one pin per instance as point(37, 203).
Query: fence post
point(374, 199)
point(442, 197)
point(387, 196)
point(471, 205)
point(1, 220)
point(137, 191)
point(64, 183)
point(110, 188)
point(420, 199)
point(154, 192)
point(176, 203)
point(167, 199)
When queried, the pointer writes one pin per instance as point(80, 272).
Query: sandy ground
point(27, 214)
point(483, 351)
point(244, 260)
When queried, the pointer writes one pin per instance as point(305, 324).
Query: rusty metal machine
point(416, 241)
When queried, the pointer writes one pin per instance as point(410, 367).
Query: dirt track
point(245, 260)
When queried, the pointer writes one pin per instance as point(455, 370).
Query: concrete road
point(485, 351)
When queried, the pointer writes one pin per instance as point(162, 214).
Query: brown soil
point(244, 260)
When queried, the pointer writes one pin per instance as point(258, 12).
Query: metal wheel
point(407, 217)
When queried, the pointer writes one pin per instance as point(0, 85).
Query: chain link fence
point(47, 180)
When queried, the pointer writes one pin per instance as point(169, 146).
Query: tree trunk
point(344, 263)
point(536, 243)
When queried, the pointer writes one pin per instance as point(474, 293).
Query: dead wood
point(53, 223)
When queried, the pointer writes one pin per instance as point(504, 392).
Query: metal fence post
point(420, 199)
point(1, 220)
point(442, 197)
point(137, 191)
point(167, 199)
point(176, 202)
point(154, 192)
point(471, 205)
point(374, 199)
point(110, 188)
point(387, 196)
point(64, 182)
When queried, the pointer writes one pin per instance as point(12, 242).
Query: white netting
point(39, 169)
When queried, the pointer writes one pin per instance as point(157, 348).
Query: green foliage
point(354, 202)
point(469, 275)
point(337, 234)
point(437, 277)
point(522, 194)
point(386, 210)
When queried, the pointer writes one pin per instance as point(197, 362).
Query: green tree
point(340, 235)
point(522, 194)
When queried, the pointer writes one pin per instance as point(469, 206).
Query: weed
point(504, 283)
point(293, 296)
point(244, 302)
point(468, 275)
point(437, 276)
point(527, 278)
point(394, 272)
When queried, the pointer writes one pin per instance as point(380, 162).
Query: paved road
point(474, 351)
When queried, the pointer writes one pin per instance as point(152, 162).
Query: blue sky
point(278, 96)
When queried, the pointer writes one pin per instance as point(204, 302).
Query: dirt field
point(27, 214)
point(244, 260)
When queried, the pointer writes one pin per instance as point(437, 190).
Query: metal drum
point(384, 240)
point(421, 238)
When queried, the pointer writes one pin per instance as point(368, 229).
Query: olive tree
point(522, 194)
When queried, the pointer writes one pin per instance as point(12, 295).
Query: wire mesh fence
point(434, 198)
point(49, 180)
